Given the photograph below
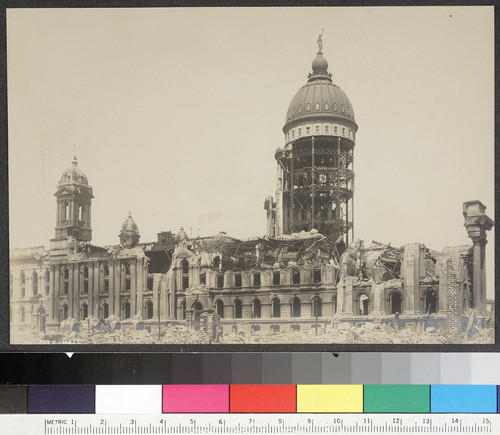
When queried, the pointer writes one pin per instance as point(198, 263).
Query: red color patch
point(262, 398)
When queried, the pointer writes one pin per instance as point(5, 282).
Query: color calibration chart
point(245, 409)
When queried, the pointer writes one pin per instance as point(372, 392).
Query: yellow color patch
point(330, 398)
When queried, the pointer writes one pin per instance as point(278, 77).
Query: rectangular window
point(299, 132)
point(316, 276)
point(343, 131)
point(317, 129)
point(203, 279)
point(150, 283)
point(308, 130)
point(106, 285)
point(237, 280)
point(335, 130)
point(293, 133)
point(220, 281)
point(327, 129)
point(276, 278)
point(256, 279)
point(85, 286)
point(127, 283)
point(296, 277)
point(185, 282)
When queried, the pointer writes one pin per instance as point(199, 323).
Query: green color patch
point(397, 398)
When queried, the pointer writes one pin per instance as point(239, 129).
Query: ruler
point(60, 424)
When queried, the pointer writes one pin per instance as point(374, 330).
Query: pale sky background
point(176, 115)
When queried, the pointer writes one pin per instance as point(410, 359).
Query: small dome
point(129, 224)
point(74, 175)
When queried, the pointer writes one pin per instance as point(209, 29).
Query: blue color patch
point(464, 398)
point(55, 399)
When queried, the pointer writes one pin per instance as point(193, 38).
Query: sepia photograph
point(232, 176)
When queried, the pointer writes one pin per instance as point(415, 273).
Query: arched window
point(396, 305)
point(104, 310)
point(65, 280)
point(85, 279)
point(185, 274)
point(219, 308)
point(364, 306)
point(316, 307)
point(47, 282)
point(65, 211)
point(127, 277)
point(85, 311)
point(126, 310)
point(183, 310)
point(203, 278)
point(22, 314)
point(276, 307)
point(35, 283)
point(148, 310)
point(105, 275)
point(64, 312)
point(256, 309)
point(238, 312)
point(22, 280)
point(80, 213)
point(295, 308)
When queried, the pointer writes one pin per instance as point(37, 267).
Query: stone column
point(173, 299)
point(348, 296)
point(94, 304)
point(476, 276)
point(50, 314)
point(477, 224)
point(76, 292)
point(483, 274)
point(111, 290)
point(57, 292)
point(71, 290)
point(156, 284)
point(140, 287)
point(133, 287)
point(117, 289)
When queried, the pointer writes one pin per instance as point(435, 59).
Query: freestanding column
point(477, 223)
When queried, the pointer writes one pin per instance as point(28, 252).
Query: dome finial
point(320, 42)
point(130, 215)
point(75, 161)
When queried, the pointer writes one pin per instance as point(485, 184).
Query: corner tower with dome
point(315, 167)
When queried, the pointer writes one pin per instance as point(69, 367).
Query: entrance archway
point(197, 310)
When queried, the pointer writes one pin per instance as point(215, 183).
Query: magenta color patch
point(195, 398)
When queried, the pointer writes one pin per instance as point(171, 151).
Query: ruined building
point(308, 268)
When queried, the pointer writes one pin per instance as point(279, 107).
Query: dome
point(319, 99)
point(129, 225)
point(74, 175)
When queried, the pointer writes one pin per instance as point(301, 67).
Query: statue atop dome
point(320, 42)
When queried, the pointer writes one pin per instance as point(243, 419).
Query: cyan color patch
point(464, 398)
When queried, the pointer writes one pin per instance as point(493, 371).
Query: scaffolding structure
point(317, 186)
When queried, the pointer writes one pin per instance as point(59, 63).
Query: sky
point(175, 115)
